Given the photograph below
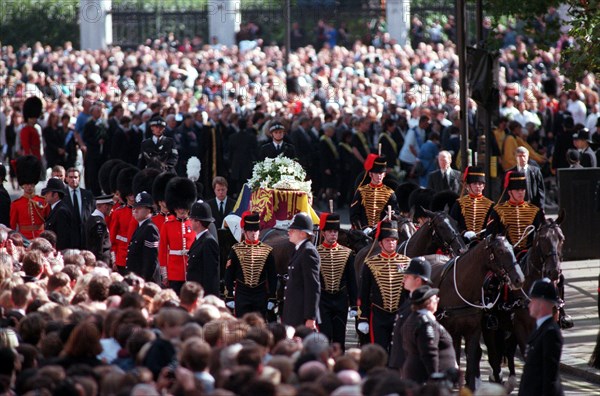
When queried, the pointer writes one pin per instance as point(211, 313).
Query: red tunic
point(176, 238)
point(160, 218)
point(30, 141)
point(28, 214)
point(119, 233)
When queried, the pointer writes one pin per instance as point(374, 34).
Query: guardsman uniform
point(250, 273)
point(177, 236)
point(121, 219)
point(427, 345)
point(142, 254)
point(28, 213)
point(158, 152)
point(97, 239)
point(370, 201)
point(158, 194)
point(338, 283)
point(470, 211)
point(512, 218)
point(381, 288)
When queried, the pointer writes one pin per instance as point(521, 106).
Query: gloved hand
point(353, 313)
point(230, 304)
point(469, 235)
point(363, 327)
point(270, 305)
point(163, 275)
point(367, 231)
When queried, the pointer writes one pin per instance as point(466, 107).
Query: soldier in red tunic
point(158, 194)
point(28, 213)
point(176, 235)
point(121, 219)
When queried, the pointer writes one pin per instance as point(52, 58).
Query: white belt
point(178, 252)
point(121, 238)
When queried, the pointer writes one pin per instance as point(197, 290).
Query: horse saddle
point(446, 269)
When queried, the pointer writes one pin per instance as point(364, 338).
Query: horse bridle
point(446, 246)
point(543, 256)
point(503, 273)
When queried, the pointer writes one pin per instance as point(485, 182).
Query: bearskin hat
point(160, 184)
point(403, 193)
point(104, 174)
point(125, 181)
point(114, 174)
point(419, 200)
point(29, 170)
point(32, 108)
point(180, 193)
point(144, 179)
point(443, 201)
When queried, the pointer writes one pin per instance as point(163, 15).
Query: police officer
point(28, 213)
point(338, 281)
point(371, 200)
point(97, 240)
point(381, 287)
point(471, 210)
point(203, 257)
point(250, 274)
point(176, 235)
point(142, 255)
point(427, 345)
point(159, 151)
point(416, 275)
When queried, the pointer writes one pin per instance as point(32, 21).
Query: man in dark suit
point(582, 140)
point(221, 205)
point(535, 189)
point(142, 254)
point(60, 220)
point(302, 140)
point(203, 262)
point(159, 151)
point(243, 152)
point(544, 347)
point(277, 146)
point(444, 178)
point(97, 240)
point(81, 202)
point(303, 287)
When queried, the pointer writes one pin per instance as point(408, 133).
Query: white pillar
point(95, 23)
point(398, 19)
point(224, 18)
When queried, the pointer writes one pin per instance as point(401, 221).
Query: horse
point(541, 261)
point(461, 305)
point(438, 232)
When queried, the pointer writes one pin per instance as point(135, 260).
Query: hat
point(329, 221)
point(544, 289)
point(420, 200)
point(114, 175)
point(583, 134)
point(573, 156)
point(157, 121)
point(422, 294)
point(387, 229)
point(144, 179)
point(125, 181)
point(443, 201)
point(250, 221)
point(515, 181)
point(29, 169)
point(474, 174)
point(143, 199)
point(201, 212)
point(180, 193)
point(375, 163)
point(275, 126)
point(419, 266)
point(160, 184)
point(403, 193)
point(104, 174)
point(54, 185)
point(302, 222)
point(32, 107)
point(104, 199)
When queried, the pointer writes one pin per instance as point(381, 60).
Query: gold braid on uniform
point(474, 210)
point(373, 200)
point(389, 275)
point(252, 260)
point(516, 218)
point(333, 262)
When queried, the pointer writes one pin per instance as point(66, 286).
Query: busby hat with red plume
point(515, 181)
point(329, 221)
point(250, 221)
point(386, 229)
point(474, 174)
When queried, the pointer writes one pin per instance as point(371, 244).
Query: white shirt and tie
point(76, 199)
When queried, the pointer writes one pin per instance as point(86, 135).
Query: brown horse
point(461, 294)
point(514, 324)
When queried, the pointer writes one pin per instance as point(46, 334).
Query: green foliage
point(584, 56)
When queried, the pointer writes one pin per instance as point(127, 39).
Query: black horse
point(461, 294)
point(512, 323)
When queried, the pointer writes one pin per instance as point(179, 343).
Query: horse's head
point(445, 230)
point(502, 261)
point(406, 228)
point(547, 249)
point(354, 239)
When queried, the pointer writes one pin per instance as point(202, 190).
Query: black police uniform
point(142, 253)
point(97, 238)
point(161, 154)
point(203, 256)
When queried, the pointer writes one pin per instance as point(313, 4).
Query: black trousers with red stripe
point(381, 325)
